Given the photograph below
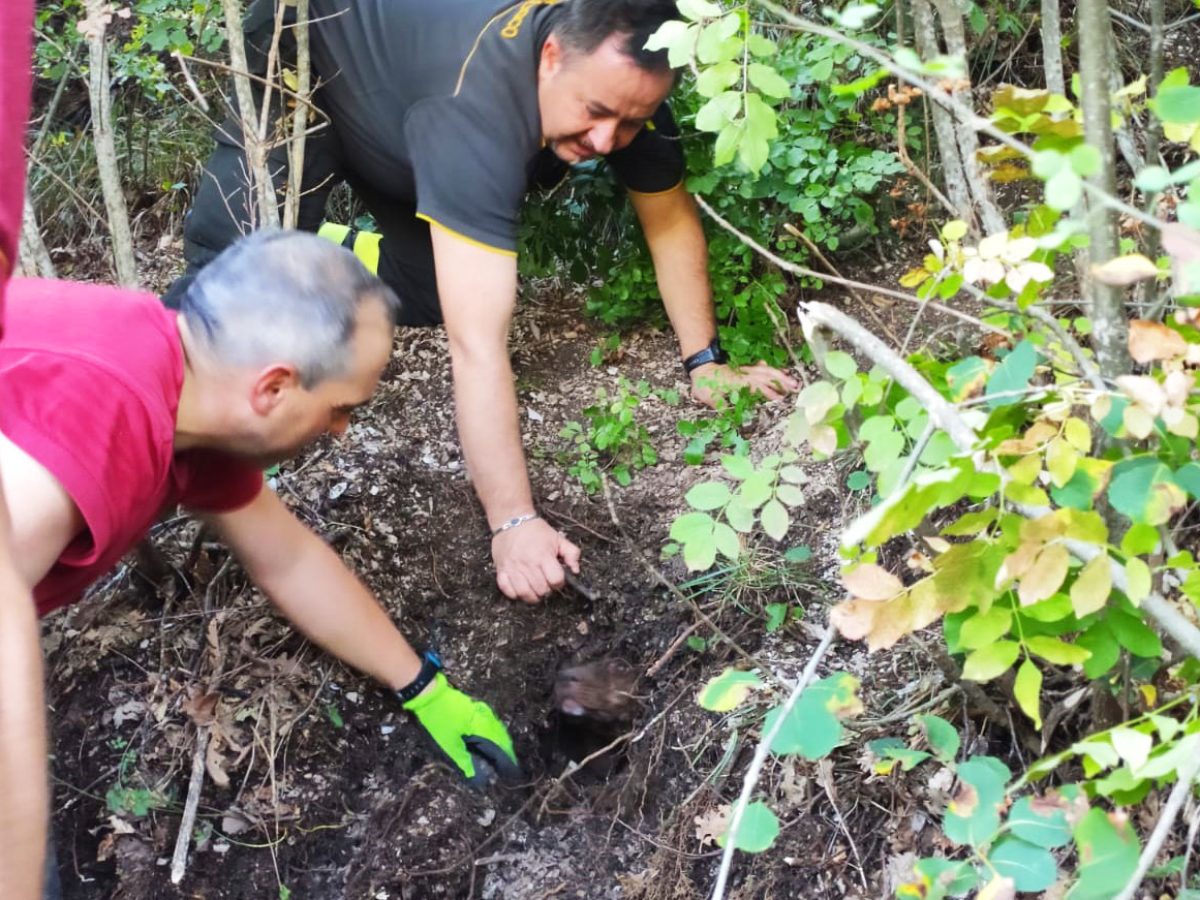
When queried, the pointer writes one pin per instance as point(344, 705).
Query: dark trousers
point(220, 213)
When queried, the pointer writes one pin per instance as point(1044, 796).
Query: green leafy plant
point(734, 411)
point(613, 440)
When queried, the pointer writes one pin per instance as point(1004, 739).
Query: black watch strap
point(713, 353)
point(431, 664)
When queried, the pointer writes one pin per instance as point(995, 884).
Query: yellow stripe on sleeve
point(470, 240)
point(669, 190)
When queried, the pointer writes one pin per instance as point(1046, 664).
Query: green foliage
point(124, 799)
point(722, 429)
point(812, 729)
point(613, 440)
point(144, 33)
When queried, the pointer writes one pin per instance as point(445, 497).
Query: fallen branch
point(761, 752)
point(183, 840)
point(814, 315)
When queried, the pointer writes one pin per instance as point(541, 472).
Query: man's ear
point(552, 57)
point(272, 386)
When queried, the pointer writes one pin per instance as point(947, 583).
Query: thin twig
point(200, 99)
point(183, 840)
point(1168, 619)
point(662, 579)
point(670, 651)
point(1166, 821)
point(806, 272)
point(825, 780)
point(761, 752)
point(830, 267)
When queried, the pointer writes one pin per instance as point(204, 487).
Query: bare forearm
point(680, 254)
point(23, 777)
point(486, 407)
point(333, 609)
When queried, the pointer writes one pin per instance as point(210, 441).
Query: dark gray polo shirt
point(435, 104)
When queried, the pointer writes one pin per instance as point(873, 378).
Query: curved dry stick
point(1169, 620)
point(797, 269)
point(761, 752)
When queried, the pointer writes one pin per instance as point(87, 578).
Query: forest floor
point(318, 786)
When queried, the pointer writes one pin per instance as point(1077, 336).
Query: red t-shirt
point(90, 378)
point(16, 26)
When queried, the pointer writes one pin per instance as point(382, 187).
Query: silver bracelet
point(514, 522)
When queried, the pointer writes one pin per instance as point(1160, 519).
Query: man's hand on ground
point(710, 380)
point(465, 728)
point(529, 560)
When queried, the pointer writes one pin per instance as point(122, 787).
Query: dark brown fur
point(601, 690)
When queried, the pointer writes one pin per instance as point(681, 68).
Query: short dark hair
point(586, 24)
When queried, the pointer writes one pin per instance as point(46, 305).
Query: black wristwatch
point(431, 664)
point(713, 353)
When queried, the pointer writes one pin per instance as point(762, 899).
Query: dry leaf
point(872, 582)
point(1150, 341)
point(1182, 244)
point(201, 708)
point(712, 824)
point(999, 888)
point(1144, 391)
point(1125, 270)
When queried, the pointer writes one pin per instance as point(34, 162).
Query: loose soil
point(318, 786)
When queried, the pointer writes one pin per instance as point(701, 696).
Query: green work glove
point(463, 726)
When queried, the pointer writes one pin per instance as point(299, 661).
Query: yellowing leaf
point(727, 690)
point(871, 582)
point(1078, 434)
point(1026, 470)
point(1150, 341)
point(1125, 270)
point(987, 662)
point(1061, 460)
point(1045, 576)
point(1137, 574)
point(1028, 690)
point(1138, 422)
point(1133, 746)
point(913, 277)
point(1091, 589)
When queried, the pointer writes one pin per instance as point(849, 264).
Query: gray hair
point(283, 296)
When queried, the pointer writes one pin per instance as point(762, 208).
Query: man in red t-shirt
point(22, 729)
point(113, 408)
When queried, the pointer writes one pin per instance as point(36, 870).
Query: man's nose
point(339, 423)
point(603, 137)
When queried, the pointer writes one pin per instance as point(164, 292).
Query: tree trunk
point(34, 257)
point(956, 44)
point(1108, 313)
point(925, 35)
point(291, 203)
point(263, 208)
point(1056, 80)
point(106, 149)
point(1116, 81)
point(1149, 288)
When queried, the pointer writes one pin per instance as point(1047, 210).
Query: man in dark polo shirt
point(113, 408)
point(439, 116)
